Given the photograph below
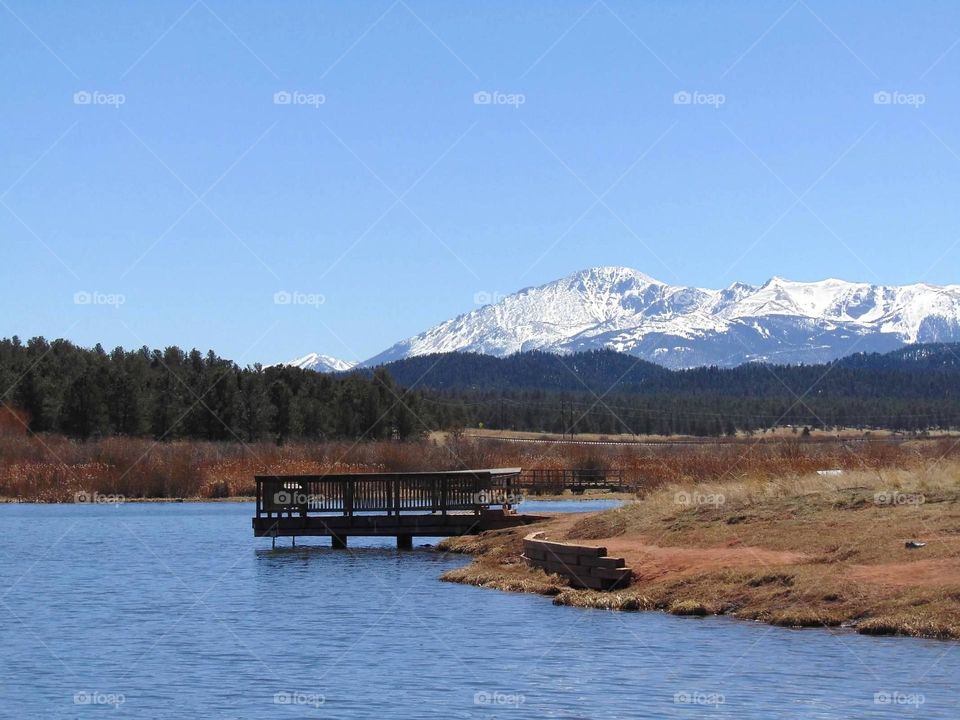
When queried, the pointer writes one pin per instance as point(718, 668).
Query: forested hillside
point(912, 389)
point(167, 394)
point(596, 370)
point(173, 394)
point(916, 372)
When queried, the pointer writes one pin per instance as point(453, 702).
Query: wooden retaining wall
point(585, 566)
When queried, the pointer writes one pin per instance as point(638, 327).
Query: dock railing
point(390, 493)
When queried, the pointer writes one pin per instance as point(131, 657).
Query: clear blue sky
point(399, 198)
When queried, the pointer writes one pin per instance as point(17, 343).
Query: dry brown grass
point(800, 550)
point(53, 468)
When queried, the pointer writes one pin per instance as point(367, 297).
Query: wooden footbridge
point(404, 505)
point(540, 481)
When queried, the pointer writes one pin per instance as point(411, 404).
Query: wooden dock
point(404, 505)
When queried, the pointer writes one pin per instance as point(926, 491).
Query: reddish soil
point(944, 572)
point(651, 562)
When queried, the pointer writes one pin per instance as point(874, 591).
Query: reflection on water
point(176, 611)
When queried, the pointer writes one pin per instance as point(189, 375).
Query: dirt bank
point(805, 551)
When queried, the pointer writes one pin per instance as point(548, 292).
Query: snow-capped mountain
point(322, 363)
point(780, 321)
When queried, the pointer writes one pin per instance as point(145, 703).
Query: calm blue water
point(176, 611)
point(535, 506)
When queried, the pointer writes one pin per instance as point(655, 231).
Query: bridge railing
point(390, 493)
point(556, 480)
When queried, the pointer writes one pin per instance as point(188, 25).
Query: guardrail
point(390, 493)
point(556, 480)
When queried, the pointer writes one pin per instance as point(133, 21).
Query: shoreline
point(839, 563)
point(632, 599)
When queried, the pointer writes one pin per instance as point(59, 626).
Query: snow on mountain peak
point(624, 309)
point(321, 363)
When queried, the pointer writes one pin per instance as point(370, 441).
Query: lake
point(166, 610)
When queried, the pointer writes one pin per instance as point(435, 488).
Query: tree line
point(58, 387)
point(914, 389)
point(170, 394)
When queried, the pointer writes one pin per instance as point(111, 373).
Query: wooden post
point(405, 542)
point(397, 500)
point(338, 542)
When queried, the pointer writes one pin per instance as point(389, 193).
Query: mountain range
point(899, 373)
point(322, 363)
point(618, 308)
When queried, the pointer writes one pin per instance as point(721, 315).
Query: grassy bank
point(803, 550)
point(51, 468)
